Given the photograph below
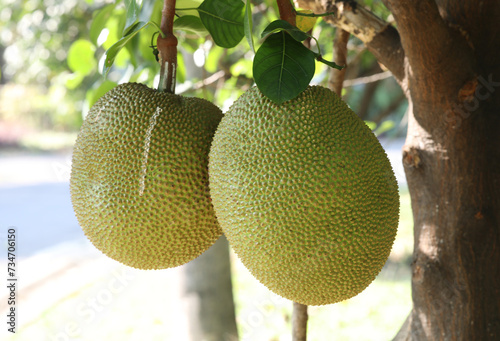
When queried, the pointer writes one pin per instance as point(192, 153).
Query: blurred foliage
point(36, 38)
point(60, 48)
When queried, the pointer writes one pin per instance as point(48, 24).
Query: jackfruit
point(305, 194)
point(139, 177)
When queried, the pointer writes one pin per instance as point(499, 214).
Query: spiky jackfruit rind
point(305, 194)
point(139, 178)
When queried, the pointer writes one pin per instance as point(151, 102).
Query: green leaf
point(248, 24)
point(283, 67)
point(224, 20)
point(101, 90)
point(99, 21)
point(74, 80)
point(372, 125)
point(148, 8)
point(384, 127)
point(113, 50)
point(183, 6)
point(181, 69)
point(81, 57)
point(242, 67)
point(132, 15)
point(214, 58)
point(114, 27)
point(191, 23)
point(282, 25)
point(297, 34)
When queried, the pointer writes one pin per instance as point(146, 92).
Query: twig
point(209, 80)
point(368, 79)
point(167, 48)
point(340, 58)
point(299, 322)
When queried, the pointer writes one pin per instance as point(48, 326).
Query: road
point(34, 198)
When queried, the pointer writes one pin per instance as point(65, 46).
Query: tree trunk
point(209, 295)
point(452, 164)
point(446, 56)
point(453, 178)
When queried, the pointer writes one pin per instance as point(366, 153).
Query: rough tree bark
point(445, 55)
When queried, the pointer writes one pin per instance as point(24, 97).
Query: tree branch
point(367, 79)
point(428, 41)
point(380, 37)
point(418, 20)
point(167, 48)
point(340, 58)
point(299, 322)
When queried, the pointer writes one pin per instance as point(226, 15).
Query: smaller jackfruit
point(139, 177)
point(305, 23)
point(305, 194)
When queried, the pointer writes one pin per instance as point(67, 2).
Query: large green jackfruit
point(139, 178)
point(305, 194)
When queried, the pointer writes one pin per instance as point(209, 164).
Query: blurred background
point(51, 57)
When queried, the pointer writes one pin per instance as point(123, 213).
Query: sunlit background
point(51, 56)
